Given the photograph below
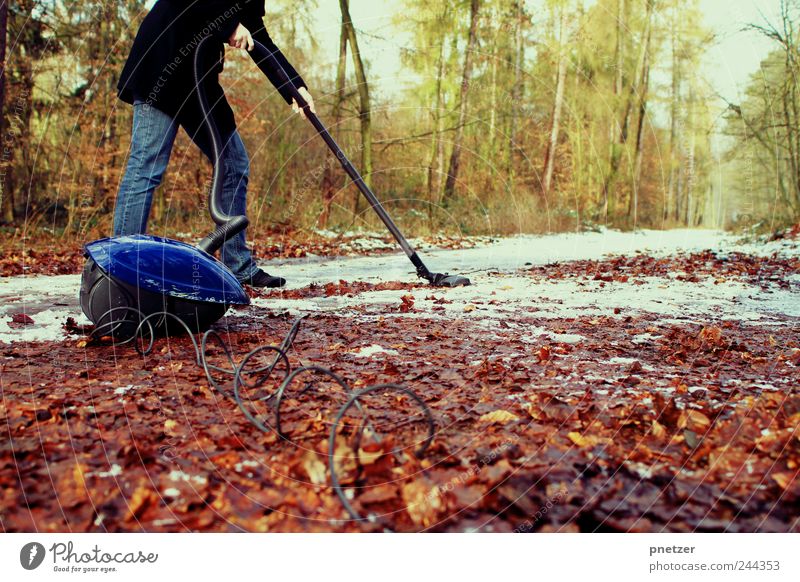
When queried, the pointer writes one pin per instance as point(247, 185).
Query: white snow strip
point(176, 475)
point(115, 471)
point(500, 297)
point(369, 351)
point(499, 292)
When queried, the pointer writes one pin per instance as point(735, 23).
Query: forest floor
point(585, 382)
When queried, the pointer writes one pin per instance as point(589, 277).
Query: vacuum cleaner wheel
point(116, 308)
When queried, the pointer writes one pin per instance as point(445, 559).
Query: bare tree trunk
point(364, 113)
point(614, 128)
point(437, 144)
point(516, 90)
point(440, 141)
point(669, 203)
point(617, 148)
point(644, 83)
point(455, 156)
point(620, 47)
point(329, 181)
point(790, 98)
point(578, 163)
point(7, 204)
point(691, 179)
point(555, 118)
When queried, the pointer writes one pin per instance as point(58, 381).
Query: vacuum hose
point(227, 226)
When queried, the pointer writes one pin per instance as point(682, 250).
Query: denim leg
point(151, 144)
point(234, 253)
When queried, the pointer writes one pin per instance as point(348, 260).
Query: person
point(158, 80)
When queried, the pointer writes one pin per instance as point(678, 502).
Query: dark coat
point(159, 69)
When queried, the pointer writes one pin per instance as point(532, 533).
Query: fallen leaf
point(694, 420)
point(544, 353)
point(314, 468)
point(139, 502)
point(22, 319)
point(784, 479)
point(423, 501)
point(407, 303)
point(499, 417)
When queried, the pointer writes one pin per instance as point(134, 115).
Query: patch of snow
point(645, 338)
point(124, 389)
point(640, 469)
point(566, 338)
point(176, 475)
point(172, 492)
point(556, 299)
point(620, 360)
point(369, 351)
point(502, 254)
point(48, 300)
point(500, 292)
point(115, 471)
point(47, 325)
point(239, 467)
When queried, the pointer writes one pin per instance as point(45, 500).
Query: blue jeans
point(151, 144)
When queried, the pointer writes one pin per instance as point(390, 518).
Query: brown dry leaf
point(784, 479)
point(579, 439)
point(583, 440)
point(78, 475)
point(344, 459)
point(423, 501)
point(499, 417)
point(407, 303)
point(544, 353)
point(378, 494)
point(368, 455)
point(139, 502)
point(314, 468)
point(170, 427)
point(711, 336)
point(694, 420)
point(658, 430)
point(22, 319)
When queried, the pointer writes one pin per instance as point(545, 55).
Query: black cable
point(262, 376)
point(282, 390)
point(332, 439)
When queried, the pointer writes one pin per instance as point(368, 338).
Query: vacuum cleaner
point(127, 279)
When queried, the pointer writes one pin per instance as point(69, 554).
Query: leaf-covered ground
point(641, 392)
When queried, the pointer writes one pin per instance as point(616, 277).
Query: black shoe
point(262, 279)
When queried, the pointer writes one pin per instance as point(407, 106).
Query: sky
point(736, 54)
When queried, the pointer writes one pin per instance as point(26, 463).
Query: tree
point(558, 103)
point(329, 180)
point(644, 84)
point(364, 113)
point(634, 88)
point(766, 152)
point(6, 203)
point(455, 155)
